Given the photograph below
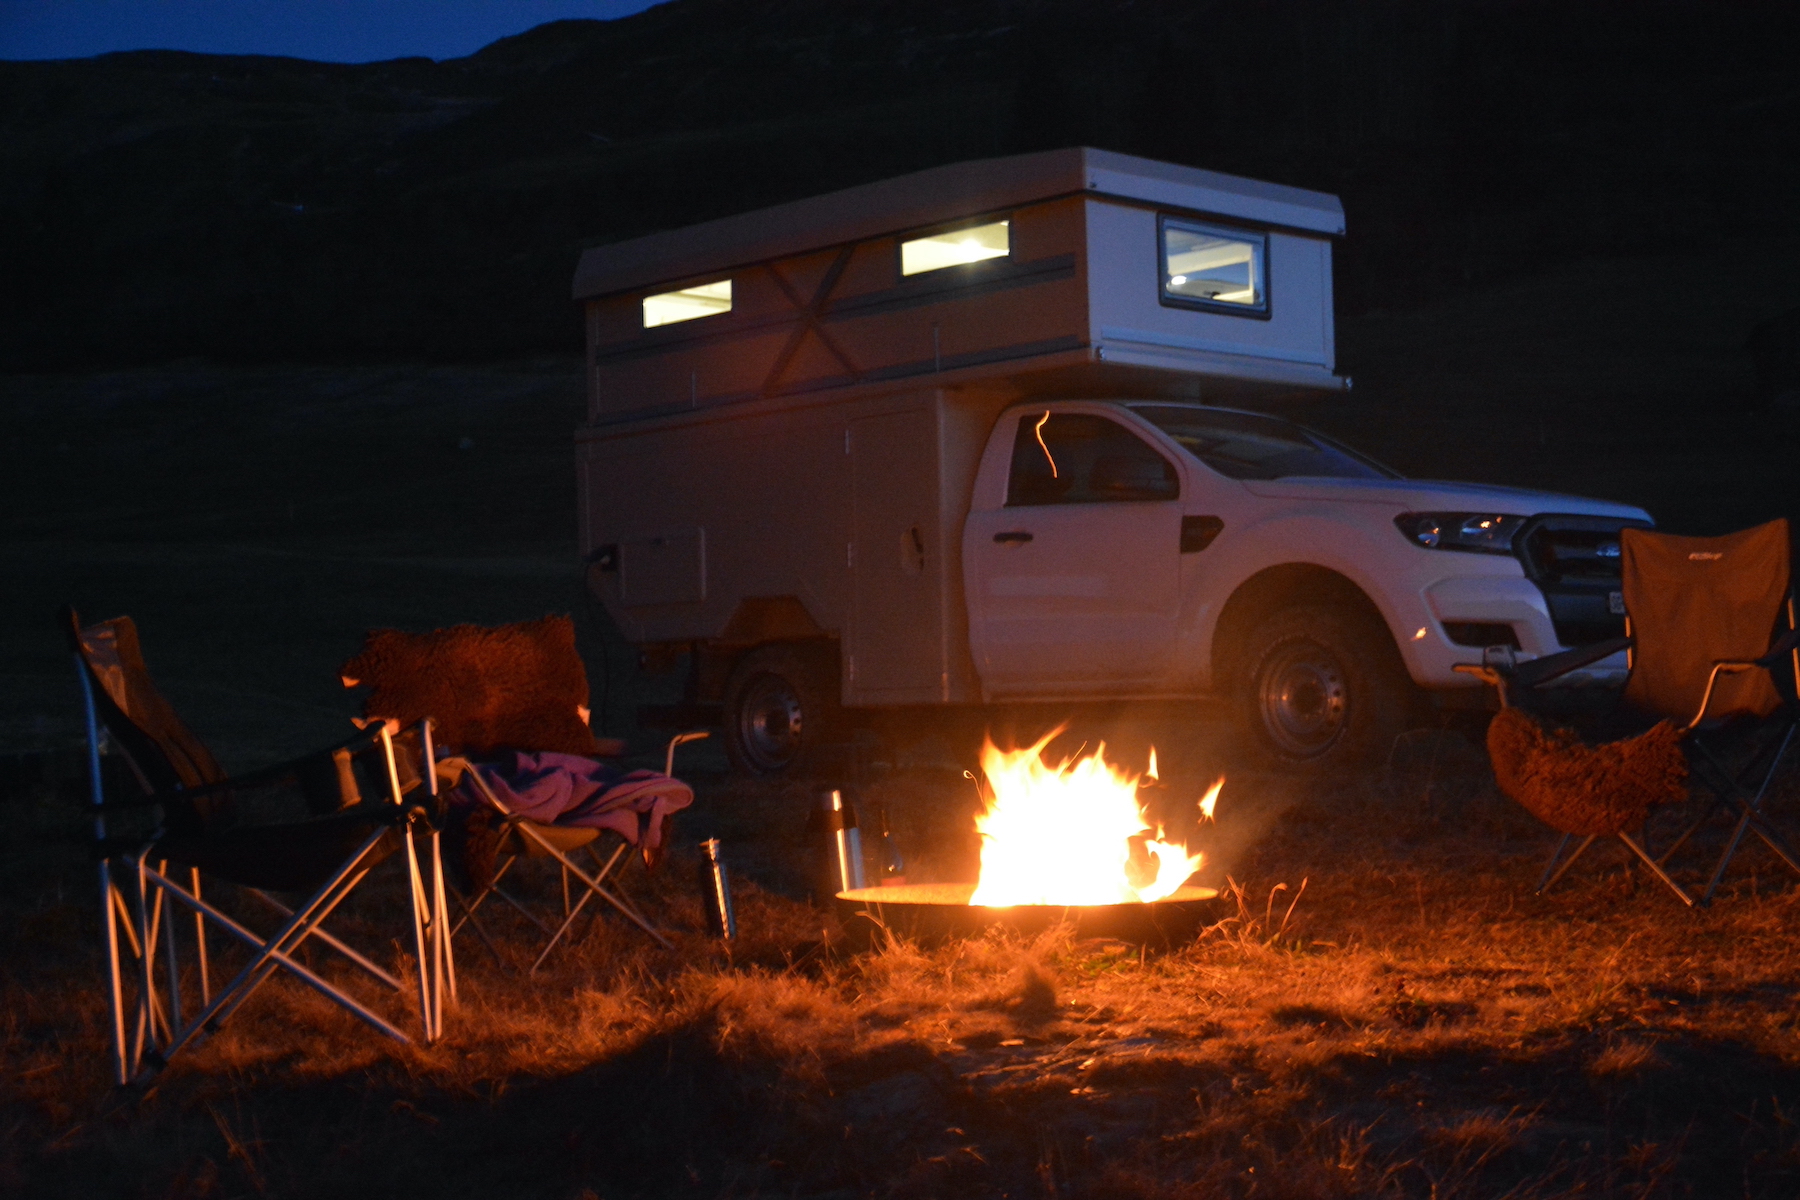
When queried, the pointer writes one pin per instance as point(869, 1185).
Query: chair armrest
point(1554, 666)
point(360, 740)
point(1785, 645)
point(693, 735)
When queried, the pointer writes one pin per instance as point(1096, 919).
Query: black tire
point(1320, 690)
point(781, 705)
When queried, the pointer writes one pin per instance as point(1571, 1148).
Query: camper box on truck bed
point(787, 409)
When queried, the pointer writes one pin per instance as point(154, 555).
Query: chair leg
point(597, 888)
point(1750, 820)
point(329, 940)
point(446, 949)
point(288, 945)
point(200, 941)
point(272, 953)
point(1656, 868)
point(470, 904)
point(173, 967)
point(469, 918)
point(560, 929)
point(421, 956)
point(1691, 830)
point(1729, 790)
point(1760, 826)
point(623, 901)
point(1553, 872)
point(520, 907)
point(115, 990)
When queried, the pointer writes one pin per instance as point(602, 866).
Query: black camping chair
point(362, 800)
point(1714, 654)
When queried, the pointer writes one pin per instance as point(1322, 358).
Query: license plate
point(1615, 603)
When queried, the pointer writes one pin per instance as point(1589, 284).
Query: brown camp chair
point(1713, 653)
point(357, 803)
point(489, 690)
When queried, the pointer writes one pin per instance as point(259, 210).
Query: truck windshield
point(1251, 446)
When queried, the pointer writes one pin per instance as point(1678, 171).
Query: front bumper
point(1459, 604)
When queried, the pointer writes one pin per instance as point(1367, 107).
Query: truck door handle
point(1012, 535)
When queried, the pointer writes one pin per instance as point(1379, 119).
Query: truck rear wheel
point(1320, 690)
point(781, 704)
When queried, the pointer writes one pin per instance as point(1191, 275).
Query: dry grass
point(1415, 1023)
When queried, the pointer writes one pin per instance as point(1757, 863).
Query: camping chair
point(1713, 653)
point(366, 799)
point(490, 691)
point(520, 837)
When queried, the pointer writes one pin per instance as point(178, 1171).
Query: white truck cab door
point(1074, 584)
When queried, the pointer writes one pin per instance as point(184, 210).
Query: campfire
point(1073, 834)
point(1069, 841)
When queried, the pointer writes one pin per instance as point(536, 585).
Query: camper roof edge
point(938, 195)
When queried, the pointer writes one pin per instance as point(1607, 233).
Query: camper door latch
point(1012, 535)
point(606, 557)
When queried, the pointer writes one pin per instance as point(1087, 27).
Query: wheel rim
point(769, 724)
point(1304, 699)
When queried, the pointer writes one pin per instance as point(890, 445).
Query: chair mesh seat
point(292, 856)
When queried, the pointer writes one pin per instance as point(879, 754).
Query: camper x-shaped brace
point(810, 321)
point(544, 839)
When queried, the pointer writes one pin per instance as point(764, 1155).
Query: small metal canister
point(715, 892)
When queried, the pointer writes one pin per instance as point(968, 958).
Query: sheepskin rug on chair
point(1584, 789)
point(486, 690)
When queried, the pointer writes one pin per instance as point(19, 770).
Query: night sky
point(326, 30)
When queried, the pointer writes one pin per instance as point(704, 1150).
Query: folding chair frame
point(134, 888)
point(515, 825)
point(1727, 788)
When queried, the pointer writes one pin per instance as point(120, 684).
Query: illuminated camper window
point(701, 300)
point(954, 247)
point(1225, 270)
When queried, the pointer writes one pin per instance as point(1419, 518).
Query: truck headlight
point(1472, 533)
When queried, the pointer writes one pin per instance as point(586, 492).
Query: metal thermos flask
point(715, 890)
point(848, 840)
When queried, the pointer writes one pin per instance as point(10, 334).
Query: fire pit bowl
point(938, 912)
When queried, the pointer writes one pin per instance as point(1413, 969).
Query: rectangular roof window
point(954, 247)
point(701, 300)
point(1220, 269)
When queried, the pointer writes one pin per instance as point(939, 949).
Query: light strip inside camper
point(1208, 266)
point(701, 300)
point(954, 247)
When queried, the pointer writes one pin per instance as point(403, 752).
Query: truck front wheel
point(780, 705)
point(1318, 690)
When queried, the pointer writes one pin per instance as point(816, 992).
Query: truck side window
point(1073, 458)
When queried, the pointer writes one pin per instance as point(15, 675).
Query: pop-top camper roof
point(941, 194)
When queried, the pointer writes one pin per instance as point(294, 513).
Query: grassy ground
point(1413, 1023)
point(1417, 1024)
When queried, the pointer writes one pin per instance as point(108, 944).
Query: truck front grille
point(1575, 563)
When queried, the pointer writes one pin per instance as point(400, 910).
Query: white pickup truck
point(935, 441)
point(937, 550)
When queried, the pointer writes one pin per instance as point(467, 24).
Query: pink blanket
point(565, 789)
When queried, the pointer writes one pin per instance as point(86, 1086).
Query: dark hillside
point(159, 205)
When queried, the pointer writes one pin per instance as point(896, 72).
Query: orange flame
point(1066, 835)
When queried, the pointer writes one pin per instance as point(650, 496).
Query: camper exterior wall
point(1293, 344)
point(845, 316)
point(841, 516)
